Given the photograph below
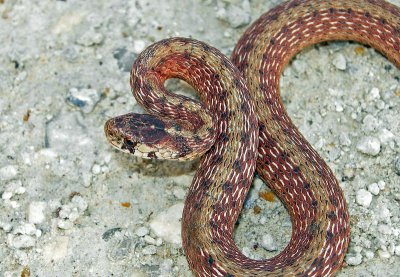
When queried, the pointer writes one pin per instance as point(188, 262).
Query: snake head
point(145, 136)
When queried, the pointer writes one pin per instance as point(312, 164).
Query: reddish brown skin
point(246, 111)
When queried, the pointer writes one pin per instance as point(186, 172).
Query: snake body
point(241, 125)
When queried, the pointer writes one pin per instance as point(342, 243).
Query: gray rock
point(339, 61)
point(363, 197)
point(397, 165)
point(84, 99)
point(369, 145)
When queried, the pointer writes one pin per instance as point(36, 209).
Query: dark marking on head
point(367, 14)
point(152, 155)
point(129, 145)
point(182, 146)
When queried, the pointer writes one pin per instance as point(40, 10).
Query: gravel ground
point(71, 205)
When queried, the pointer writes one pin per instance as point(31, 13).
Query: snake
point(239, 126)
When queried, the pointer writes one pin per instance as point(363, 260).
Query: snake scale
point(240, 125)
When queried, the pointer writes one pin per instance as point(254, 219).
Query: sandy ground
point(72, 206)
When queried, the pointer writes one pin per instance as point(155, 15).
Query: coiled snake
point(241, 125)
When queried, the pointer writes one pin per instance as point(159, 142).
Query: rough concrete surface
point(73, 206)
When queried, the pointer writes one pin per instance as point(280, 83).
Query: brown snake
point(223, 126)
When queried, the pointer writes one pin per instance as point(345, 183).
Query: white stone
point(80, 203)
point(90, 38)
point(383, 254)
point(138, 46)
point(167, 224)
point(369, 145)
point(36, 212)
point(236, 15)
point(96, 169)
point(150, 240)
point(21, 241)
point(20, 190)
point(85, 99)
point(56, 250)
point(373, 94)
point(369, 254)
point(384, 214)
point(339, 61)
point(5, 226)
point(7, 195)
point(142, 231)
point(65, 224)
point(149, 250)
point(385, 135)
point(381, 184)
point(354, 259)
point(373, 188)
point(363, 197)
point(268, 243)
point(8, 172)
point(385, 229)
point(25, 229)
point(397, 250)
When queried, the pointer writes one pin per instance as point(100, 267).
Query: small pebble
point(369, 145)
point(354, 259)
point(370, 123)
point(36, 212)
point(373, 188)
point(339, 61)
point(65, 224)
point(373, 94)
point(149, 250)
point(96, 169)
point(268, 243)
point(397, 250)
point(383, 254)
point(138, 46)
point(369, 254)
point(150, 240)
point(363, 197)
point(8, 172)
point(235, 15)
point(381, 185)
point(142, 231)
point(21, 241)
point(385, 135)
point(90, 38)
point(397, 165)
point(85, 99)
